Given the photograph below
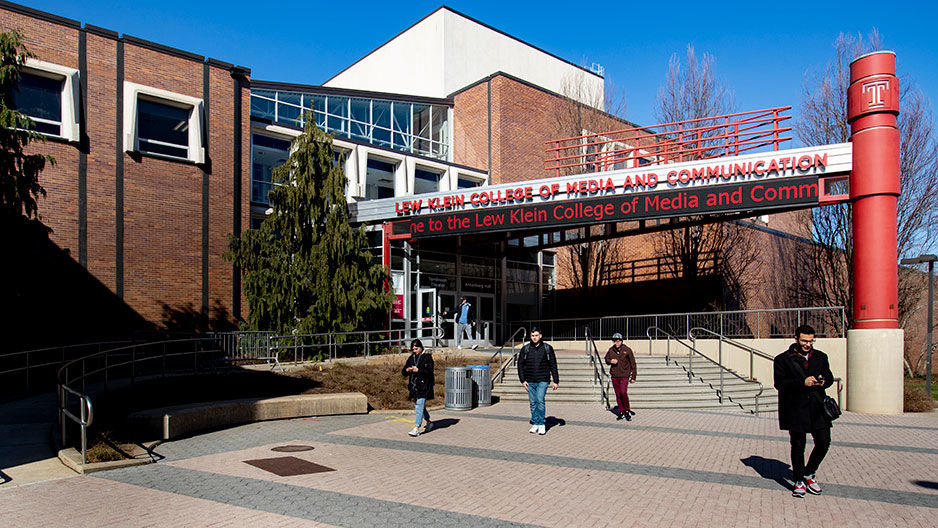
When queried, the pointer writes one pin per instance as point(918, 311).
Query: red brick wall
point(470, 127)
point(162, 211)
point(55, 43)
point(101, 130)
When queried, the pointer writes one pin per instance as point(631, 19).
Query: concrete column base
point(874, 371)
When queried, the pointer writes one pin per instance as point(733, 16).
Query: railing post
point(690, 365)
point(758, 325)
point(295, 349)
point(798, 312)
point(720, 359)
point(133, 364)
point(62, 403)
point(84, 432)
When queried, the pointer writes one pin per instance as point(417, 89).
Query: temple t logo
point(876, 89)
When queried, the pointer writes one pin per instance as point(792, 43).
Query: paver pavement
point(482, 468)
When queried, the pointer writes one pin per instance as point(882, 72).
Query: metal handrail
point(30, 365)
point(499, 375)
point(86, 415)
point(333, 344)
point(752, 353)
point(599, 371)
point(605, 325)
point(690, 367)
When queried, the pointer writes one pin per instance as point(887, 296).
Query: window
point(379, 181)
point(48, 94)
point(267, 153)
point(467, 183)
point(163, 123)
point(426, 181)
point(162, 129)
point(40, 98)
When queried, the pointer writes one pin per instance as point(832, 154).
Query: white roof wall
point(447, 51)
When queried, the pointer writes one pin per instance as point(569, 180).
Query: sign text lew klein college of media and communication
point(765, 194)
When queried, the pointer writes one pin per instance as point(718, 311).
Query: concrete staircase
point(659, 386)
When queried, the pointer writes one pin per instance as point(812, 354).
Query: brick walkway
point(482, 468)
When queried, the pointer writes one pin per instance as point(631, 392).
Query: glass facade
point(408, 127)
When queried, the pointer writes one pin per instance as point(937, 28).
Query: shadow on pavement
point(552, 421)
point(926, 484)
point(770, 469)
point(444, 423)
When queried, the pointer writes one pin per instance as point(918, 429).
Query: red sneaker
point(812, 485)
point(799, 490)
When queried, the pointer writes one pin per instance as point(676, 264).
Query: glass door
point(427, 315)
point(447, 305)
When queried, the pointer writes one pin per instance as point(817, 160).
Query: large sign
point(769, 194)
point(823, 161)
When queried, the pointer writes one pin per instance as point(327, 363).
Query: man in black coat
point(801, 375)
point(537, 363)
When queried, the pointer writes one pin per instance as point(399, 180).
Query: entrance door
point(485, 318)
point(427, 316)
point(484, 331)
point(447, 305)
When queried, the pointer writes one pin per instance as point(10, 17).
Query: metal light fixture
point(930, 259)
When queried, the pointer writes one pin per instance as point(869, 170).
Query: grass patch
point(915, 397)
point(380, 379)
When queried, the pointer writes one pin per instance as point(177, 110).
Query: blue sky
point(762, 50)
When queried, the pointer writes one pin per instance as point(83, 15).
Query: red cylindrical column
point(872, 109)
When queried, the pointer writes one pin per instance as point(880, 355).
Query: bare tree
point(823, 120)
point(587, 108)
point(692, 92)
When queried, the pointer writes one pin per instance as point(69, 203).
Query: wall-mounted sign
point(693, 178)
point(397, 307)
point(768, 194)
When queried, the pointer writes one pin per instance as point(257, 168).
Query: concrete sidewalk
point(26, 453)
point(482, 468)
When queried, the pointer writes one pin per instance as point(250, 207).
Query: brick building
point(161, 154)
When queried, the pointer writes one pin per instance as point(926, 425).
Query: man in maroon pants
point(623, 370)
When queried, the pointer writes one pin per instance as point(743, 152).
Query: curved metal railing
point(24, 364)
point(691, 350)
point(95, 373)
point(499, 375)
point(599, 371)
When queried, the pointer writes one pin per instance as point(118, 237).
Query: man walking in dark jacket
point(622, 370)
point(801, 375)
point(536, 365)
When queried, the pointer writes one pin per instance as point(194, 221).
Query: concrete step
point(660, 385)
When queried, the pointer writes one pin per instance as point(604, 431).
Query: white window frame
point(69, 129)
point(133, 92)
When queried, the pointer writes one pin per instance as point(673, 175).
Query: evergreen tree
point(306, 270)
point(19, 172)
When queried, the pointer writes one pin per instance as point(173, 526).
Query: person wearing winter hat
point(623, 371)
